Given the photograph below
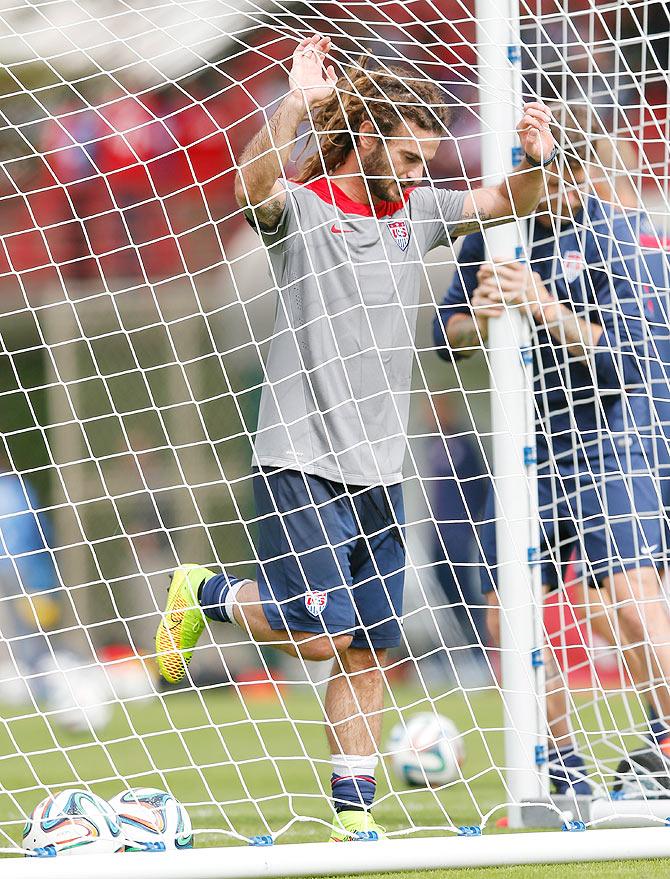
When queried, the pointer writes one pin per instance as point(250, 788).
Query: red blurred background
point(138, 187)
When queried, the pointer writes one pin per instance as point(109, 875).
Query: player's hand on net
point(309, 73)
point(534, 131)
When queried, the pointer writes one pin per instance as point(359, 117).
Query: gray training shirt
point(336, 400)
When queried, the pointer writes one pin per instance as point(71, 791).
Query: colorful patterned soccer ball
point(73, 822)
point(152, 820)
point(426, 750)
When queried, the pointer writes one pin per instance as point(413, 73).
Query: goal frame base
point(329, 859)
point(601, 811)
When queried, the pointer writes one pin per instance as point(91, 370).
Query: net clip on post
point(470, 830)
point(527, 355)
point(573, 827)
point(529, 456)
point(514, 53)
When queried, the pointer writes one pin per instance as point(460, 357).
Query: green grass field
point(206, 749)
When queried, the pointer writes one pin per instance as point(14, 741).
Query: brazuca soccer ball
point(152, 820)
point(73, 822)
point(426, 750)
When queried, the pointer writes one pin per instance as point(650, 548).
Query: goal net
point(140, 314)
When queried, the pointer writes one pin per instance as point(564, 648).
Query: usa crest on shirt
point(399, 229)
point(316, 602)
point(573, 265)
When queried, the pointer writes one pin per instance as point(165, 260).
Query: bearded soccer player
point(346, 241)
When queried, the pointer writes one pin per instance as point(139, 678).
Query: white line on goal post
point(428, 853)
point(513, 429)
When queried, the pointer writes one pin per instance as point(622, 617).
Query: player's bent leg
point(354, 705)
point(301, 601)
point(182, 622)
point(247, 611)
point(196, 593)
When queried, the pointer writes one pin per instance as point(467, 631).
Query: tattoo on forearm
point(263, 159)
point(470, 223)
point(463, 334)
point(475, 222)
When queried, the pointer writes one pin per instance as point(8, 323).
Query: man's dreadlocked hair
point(385, 97)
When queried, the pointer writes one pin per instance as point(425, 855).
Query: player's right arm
point(257, 182)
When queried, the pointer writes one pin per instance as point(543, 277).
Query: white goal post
point(141, 321)
point(513, 428)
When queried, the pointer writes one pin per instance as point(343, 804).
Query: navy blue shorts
point(613, 520)
point(331, 557)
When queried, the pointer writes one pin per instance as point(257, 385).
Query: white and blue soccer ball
point(426, 750)
point(73, 822)
point(152, 820)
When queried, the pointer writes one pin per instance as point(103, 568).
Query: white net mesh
point(137, 311)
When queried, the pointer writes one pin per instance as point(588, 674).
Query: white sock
point(231, 600)
point(354, 764)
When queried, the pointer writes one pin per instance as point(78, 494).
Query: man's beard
point(379, 176)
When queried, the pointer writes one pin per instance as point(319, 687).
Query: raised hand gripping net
point(137, 311)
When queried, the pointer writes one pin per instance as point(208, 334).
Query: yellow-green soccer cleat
point(356, 826)
point(182, 622)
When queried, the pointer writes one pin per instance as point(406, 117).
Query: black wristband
point(550, 158)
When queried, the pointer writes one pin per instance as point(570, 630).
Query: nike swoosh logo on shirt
point(337, 231)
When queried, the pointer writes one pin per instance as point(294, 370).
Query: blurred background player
point(333, 416)
point(595, 483)
point(41, 665)
point(457, 483)
point(29, 598)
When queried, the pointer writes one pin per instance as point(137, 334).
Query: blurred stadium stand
point(118, 152)
point(117, 217)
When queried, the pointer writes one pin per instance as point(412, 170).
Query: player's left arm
point(519, 194)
